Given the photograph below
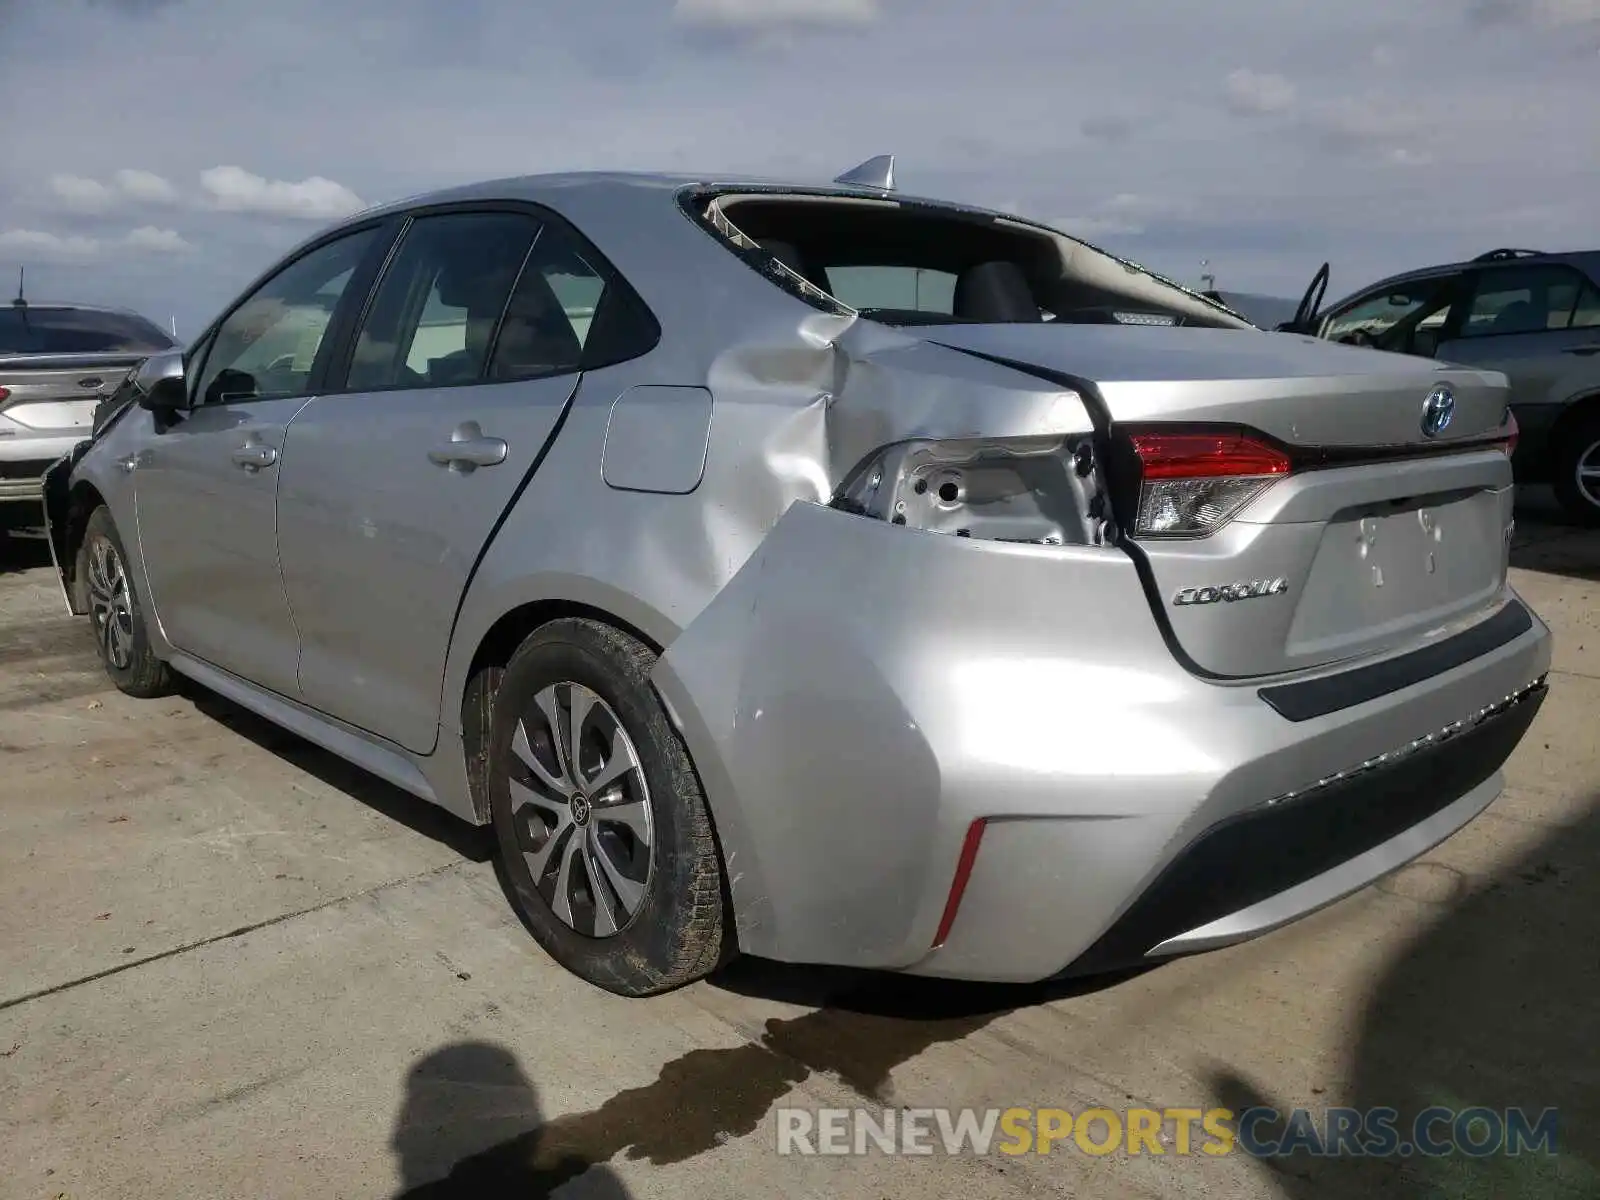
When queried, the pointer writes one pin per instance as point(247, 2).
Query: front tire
point(116, 613)
point(1578, 470)
point(605, 839)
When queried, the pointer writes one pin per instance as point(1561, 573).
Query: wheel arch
point(1584, 406)
point(492, 651)
point(83, 498)
point(471, 688)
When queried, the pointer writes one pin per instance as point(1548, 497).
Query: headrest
point(996, 292)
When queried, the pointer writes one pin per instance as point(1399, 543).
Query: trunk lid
point(1375, 542)
point(52, 393)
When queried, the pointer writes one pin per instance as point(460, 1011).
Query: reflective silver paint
point(830, 672)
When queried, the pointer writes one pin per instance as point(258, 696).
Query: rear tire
point(1578, 453)
point(116, 613)
point(611, 863)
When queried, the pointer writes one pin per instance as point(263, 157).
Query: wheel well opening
point(489, 664)
point(1584, 408)
point(81, 503)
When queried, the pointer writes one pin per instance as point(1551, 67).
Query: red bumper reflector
point(958, 885)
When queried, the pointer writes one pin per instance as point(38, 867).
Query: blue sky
point(160, 153)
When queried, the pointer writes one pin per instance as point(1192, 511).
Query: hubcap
point(1587, 474)
point(110, 604)
point(581, 810)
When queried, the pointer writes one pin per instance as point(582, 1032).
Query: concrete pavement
point(232, 966)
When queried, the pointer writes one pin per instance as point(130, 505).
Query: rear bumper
point(1272, 864)
point(859, 696)
point(24, 460)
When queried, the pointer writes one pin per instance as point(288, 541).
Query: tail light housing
point(1508, 440)
point(1041, 491)
point(5, 394)
point(1192, 484)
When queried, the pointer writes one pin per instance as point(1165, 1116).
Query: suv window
point(1586, 311)
point(1525, 300)
point(433, 318)
point(53, 330)
point(1375, 314)
point(268, 346)
point(905, 289)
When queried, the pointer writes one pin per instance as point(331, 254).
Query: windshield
point(78, 331)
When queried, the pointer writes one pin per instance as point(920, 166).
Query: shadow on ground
point(473, 843)
point(864, 1026)
point(1493, 1005)
point(22, 549)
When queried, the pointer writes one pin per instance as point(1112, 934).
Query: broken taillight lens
point(1192, 484)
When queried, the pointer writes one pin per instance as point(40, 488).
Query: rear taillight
point(1508, 440)
point(1192, 484)
point(5, 394)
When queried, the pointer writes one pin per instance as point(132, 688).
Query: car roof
point(61, 306)
point(581, 185)
point(1589, 259)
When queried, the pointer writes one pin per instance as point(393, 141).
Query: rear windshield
point(919, 263)
point(78, 331)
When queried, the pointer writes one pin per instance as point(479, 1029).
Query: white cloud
point(84, 195)
point(1250, 93)
point(28, 243)
point(156, 241)
point(145, 186)
point(234, 189)
point(758, 14)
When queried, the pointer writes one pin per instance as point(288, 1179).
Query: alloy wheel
point(581, 810)
point(1586, 474)
point(111, 604)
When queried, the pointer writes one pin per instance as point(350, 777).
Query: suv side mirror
point(160, 383)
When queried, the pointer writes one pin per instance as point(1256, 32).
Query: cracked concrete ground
point(232, 966)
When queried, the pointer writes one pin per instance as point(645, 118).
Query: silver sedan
point(825, 574)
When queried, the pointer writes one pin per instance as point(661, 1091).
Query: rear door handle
point(253, 456)
point(468, 449)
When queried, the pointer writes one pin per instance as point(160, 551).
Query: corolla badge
point(1438, 410)
point(1229, 592)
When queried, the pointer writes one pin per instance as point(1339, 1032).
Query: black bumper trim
point(1261, 852)
point(1331, 693)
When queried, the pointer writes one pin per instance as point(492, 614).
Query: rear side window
point(1527, 300)
point(78, 331)
point(433, 318)
point(571, 311)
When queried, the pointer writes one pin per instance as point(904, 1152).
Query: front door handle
point(253, 456)
point(468, 449)
point(1593, 348)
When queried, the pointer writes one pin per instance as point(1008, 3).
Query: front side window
point(433, 318)
point(266, 348)
point(1524, 300)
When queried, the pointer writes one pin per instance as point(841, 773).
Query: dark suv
point(1533, 315)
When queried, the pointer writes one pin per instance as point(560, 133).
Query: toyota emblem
point(1438, 410)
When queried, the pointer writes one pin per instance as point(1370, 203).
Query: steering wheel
point(1359, 337)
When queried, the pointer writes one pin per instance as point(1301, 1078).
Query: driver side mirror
point(161, 385)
